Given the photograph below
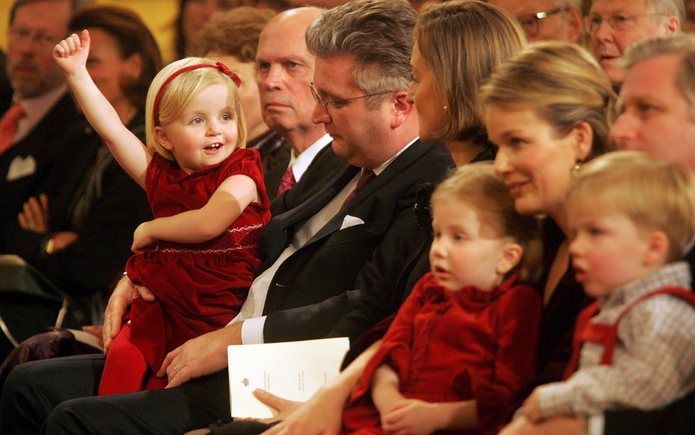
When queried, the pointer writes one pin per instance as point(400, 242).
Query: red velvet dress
point(199, 287)
point(455, 346)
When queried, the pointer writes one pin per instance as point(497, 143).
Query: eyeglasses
point(531, 22)
point(338, 103)
point(23, 34)
point(617, 22)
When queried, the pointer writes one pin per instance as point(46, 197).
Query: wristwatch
point(48, 245)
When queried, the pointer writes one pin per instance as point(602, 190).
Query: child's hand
point(411, 416)
point(532, 409)
point(71, 53)
point(142, 238)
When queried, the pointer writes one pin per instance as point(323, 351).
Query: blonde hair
point(562, 83)
point(462, 42)
point(653, 194)
point(679, 44)
point(179, 93)
point(478, 185)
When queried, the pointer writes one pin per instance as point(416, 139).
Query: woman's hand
point(531, 408)
point(142, 238)
point(321, 414)
point(71, 53)
point(34, 216)
point(284, 407)
point(552, 426)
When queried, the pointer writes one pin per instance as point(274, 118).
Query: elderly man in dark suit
point(347, 229)
point(42, 125)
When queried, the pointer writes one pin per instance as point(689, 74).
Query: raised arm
point(71, 55)
point(205, 223)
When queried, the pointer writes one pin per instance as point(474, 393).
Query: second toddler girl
point(207, 195)
point(464, 342)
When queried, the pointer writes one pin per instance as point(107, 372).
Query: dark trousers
point(58, 397)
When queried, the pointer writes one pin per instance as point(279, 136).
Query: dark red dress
point(455, 346)
point(199, 287)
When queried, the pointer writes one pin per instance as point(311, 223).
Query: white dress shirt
point(35, 109)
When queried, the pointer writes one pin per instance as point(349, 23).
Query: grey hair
point(663, 7)
point(378, 34)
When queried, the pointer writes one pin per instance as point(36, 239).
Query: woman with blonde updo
point(549, 110)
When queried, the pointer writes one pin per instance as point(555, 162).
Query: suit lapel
point(407, 157)
point(280, 227)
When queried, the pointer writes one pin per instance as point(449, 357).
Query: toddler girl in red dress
point(464, 342)
point(199, 256)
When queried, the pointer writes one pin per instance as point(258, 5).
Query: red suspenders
point(607, 334)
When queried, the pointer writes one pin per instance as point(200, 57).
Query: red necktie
point(8, 126)
point(287, 181)
point(367, 176)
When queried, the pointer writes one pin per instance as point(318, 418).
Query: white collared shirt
point(35, 109)
point(252, 310)
point(300, 163)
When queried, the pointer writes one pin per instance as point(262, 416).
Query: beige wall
point(157, 14)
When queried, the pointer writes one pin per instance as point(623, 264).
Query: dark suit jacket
point(117, 206)
point(321, 282)
point(275, 157)
point(53, 140)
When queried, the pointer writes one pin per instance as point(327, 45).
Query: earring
point(445, 107)
point(577, 167)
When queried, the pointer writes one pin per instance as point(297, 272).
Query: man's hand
point(321, 414)
point(63, 239)
point(200, 356)
point(121, 298)
point(34, 216)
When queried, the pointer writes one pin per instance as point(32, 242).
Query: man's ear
point(657, 249)
point(673, 24)
point(582, 140)
point(401, 108)
point(162, 138)
point(510, 258)
point(575, 24)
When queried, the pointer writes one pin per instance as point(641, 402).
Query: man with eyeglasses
point(545, 19)
point(613, 25)
point(345, 235)
point(41, 124)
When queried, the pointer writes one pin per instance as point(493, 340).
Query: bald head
point(284, 70)
point(297, 19)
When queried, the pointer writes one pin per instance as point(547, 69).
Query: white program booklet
point(292, 370)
